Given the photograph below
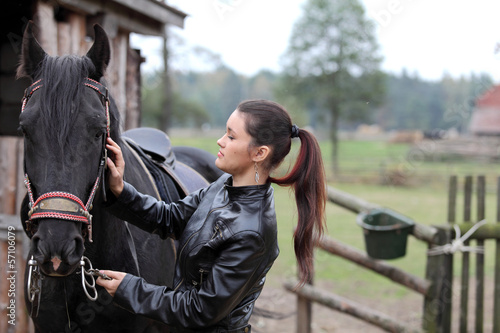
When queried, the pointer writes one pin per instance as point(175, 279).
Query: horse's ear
point(100, 52)
point(32, 54)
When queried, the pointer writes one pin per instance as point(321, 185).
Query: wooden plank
point(436, 317)
point(464, 283)
point(143, 10)
point(452, 199)
point(496, 291)
point(350, 307)
point(47, 27)
point(63, 38)
point(116, 73)
point(4, 299)
point(304, 315)
point(481, 192)
point(77, 34)
point(7, 222)
point(12, 277)
point(447, 293)
point(22, 316)
point(8, 174)
point(352, 254)
point(439, 270)
point(156, 10)
point(133, 89)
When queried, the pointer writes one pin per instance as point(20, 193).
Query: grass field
point(366, 165)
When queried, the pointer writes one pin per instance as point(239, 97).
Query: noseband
point(63, 205)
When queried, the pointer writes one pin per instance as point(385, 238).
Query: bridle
point(65, 206)
point(62, 205)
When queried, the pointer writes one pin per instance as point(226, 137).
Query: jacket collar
point(245, 192)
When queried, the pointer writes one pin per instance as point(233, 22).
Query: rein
point(63, 205)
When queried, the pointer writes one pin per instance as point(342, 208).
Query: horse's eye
point(22, 131)
point(99, 134)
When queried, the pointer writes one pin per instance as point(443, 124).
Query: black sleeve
point(153, 215)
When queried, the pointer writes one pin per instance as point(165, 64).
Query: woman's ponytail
point(268, 123)
point(308, 180)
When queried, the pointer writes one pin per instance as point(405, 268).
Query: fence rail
point(437, 286)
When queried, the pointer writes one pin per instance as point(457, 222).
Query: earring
point(256, 173)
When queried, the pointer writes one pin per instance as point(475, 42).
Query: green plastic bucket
point(385, 232)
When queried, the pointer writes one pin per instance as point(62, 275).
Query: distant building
point(485, 120)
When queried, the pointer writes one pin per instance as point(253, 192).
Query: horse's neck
point(112, 236)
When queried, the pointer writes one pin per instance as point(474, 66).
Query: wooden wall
point(13, 240)
point(67, 35)
point(71, 37)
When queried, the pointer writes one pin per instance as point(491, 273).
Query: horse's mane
point(61, 93)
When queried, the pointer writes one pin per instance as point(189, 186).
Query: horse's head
point(65, 121)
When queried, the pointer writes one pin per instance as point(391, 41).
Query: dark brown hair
point(268, 123)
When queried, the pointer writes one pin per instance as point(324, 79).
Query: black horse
point(67, 115)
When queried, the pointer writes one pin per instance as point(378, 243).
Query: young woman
point(227, 232)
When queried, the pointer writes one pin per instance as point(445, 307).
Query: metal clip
point(91, 272)
point(89, 229)
point(34, 286)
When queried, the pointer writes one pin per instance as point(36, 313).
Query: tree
point(183, 112)
point(332, 63)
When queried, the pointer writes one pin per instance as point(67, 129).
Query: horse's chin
point(56, 275)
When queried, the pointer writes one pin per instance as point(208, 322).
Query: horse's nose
point(57, 257)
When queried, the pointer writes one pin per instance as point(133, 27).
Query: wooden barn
point(62, 27)
point(485, 120)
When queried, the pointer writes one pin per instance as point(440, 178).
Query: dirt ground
point(407, 310)
point(283, 304)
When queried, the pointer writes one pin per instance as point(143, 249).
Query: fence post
point(437, 304)
point(481, 195)
point(304, 311)
point(464, 294)
point(439, 270)
point(496, 303)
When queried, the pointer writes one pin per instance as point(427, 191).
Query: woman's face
point(234, 157)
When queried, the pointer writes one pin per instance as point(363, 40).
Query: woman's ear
point(260, 153)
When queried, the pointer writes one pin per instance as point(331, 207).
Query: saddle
point(173, 179)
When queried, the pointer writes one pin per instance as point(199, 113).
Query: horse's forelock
point(61, 93)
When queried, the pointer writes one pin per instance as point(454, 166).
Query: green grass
point(424, 201)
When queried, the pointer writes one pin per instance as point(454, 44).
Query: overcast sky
point(430, 37)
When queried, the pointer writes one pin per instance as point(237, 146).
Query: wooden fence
point(467, 286)
point(437, 286)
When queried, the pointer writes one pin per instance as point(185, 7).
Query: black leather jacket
point(227, 240)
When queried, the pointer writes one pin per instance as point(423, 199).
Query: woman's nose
point(219, 142)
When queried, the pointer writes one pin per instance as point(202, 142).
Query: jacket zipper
point(190, 237)
point(217, 229)
point(201, 274)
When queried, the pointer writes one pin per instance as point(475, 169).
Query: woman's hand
point(116, 168)
point(111, 285)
